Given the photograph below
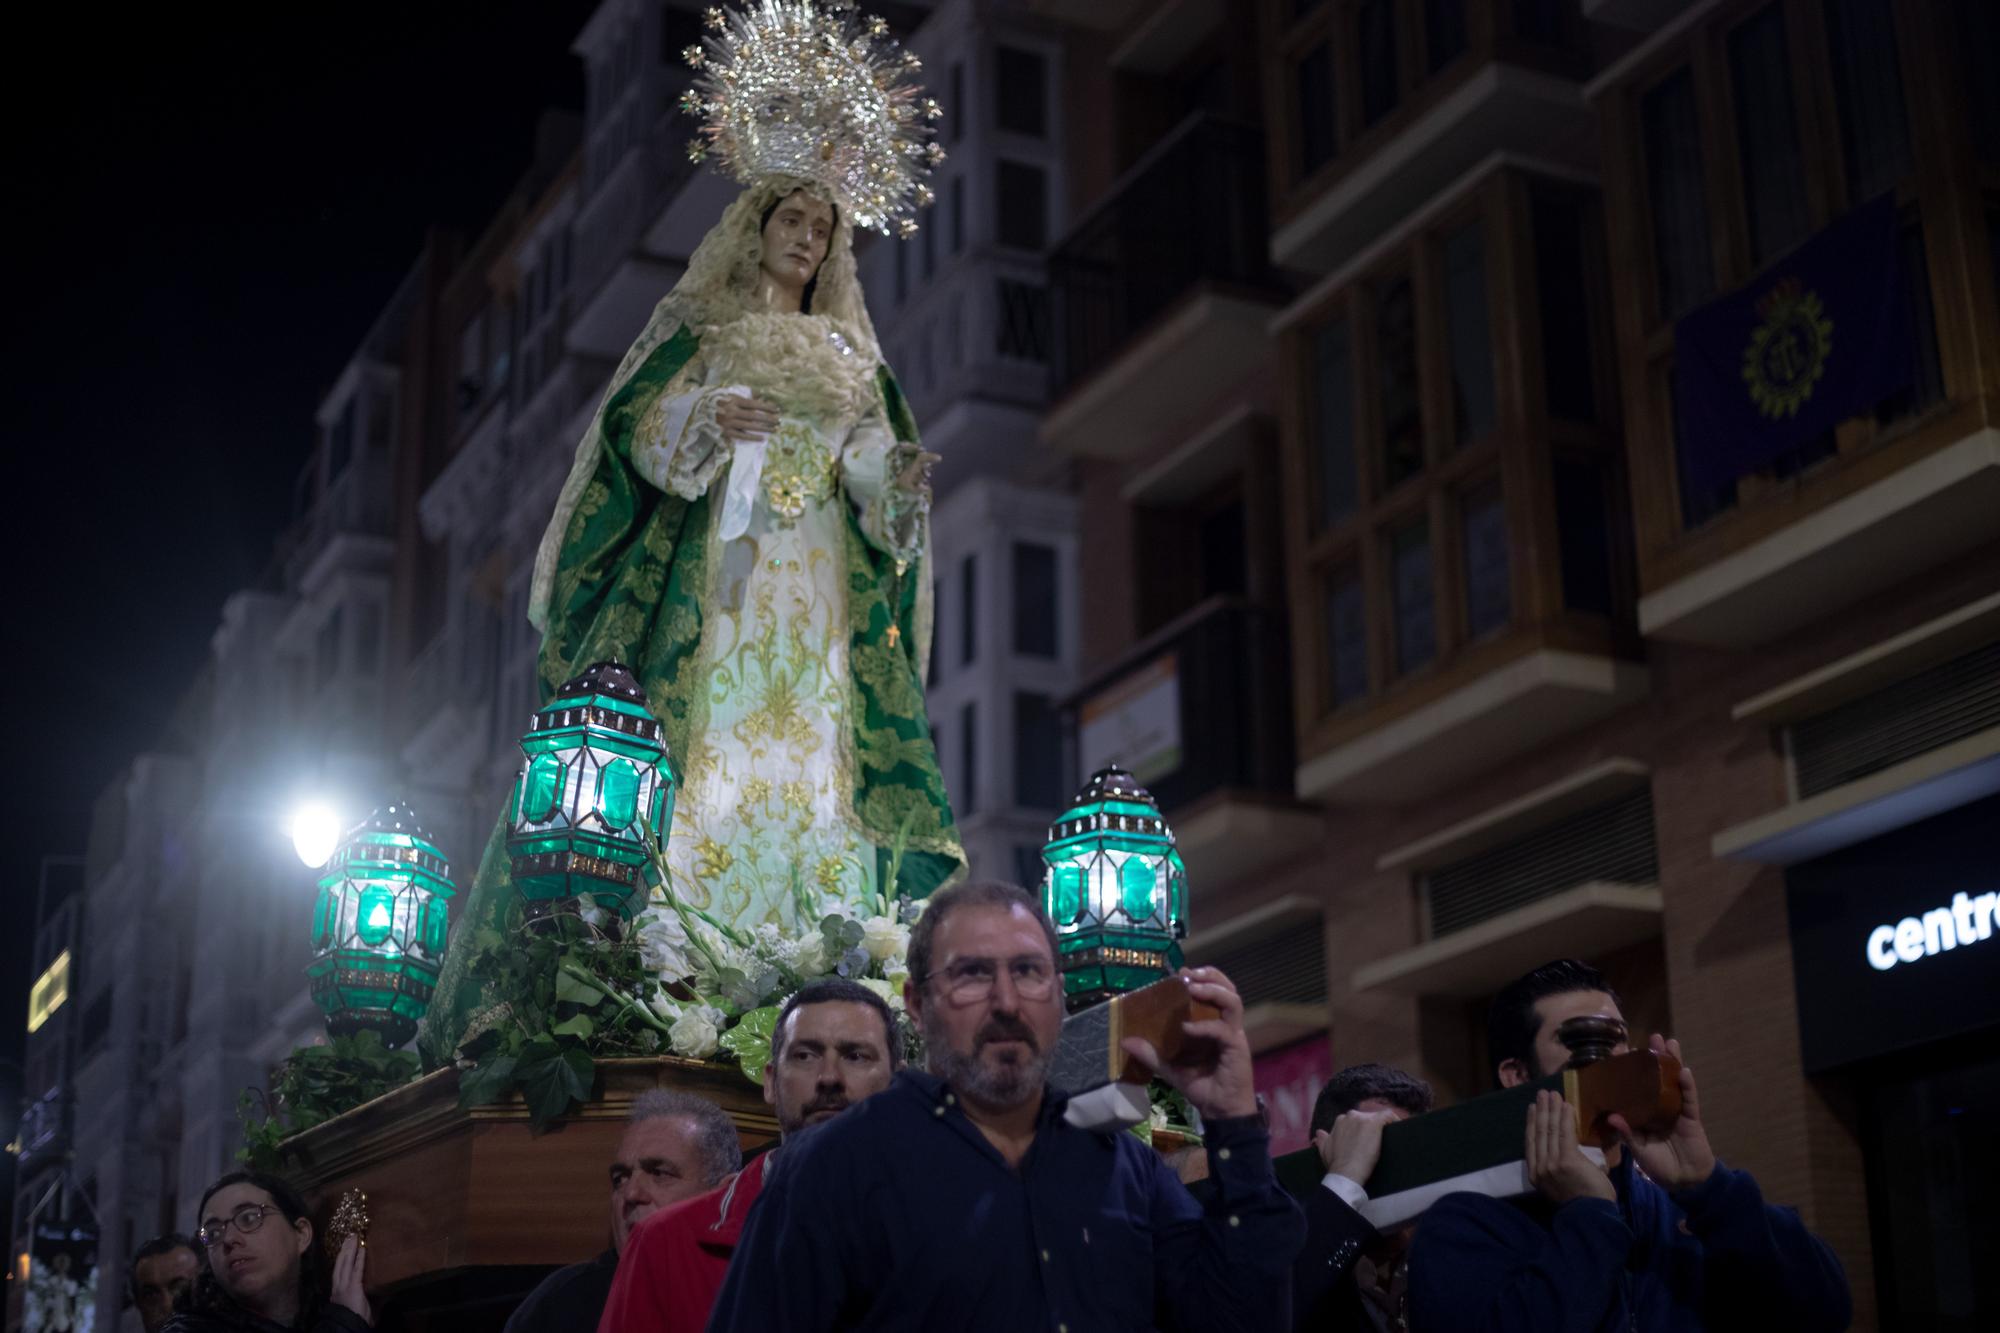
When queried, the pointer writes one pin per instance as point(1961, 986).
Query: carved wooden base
point(467, 1207)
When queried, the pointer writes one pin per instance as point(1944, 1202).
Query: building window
point(1868, 93)
point(340, 442)
point(927, 237)
point(1584, 512)
point(326, 658)
point(968, 761)
point(902, 271)
point(1023, 203)
point(1976, 35)
point(1029, 869)
point(368, 640)
point(1563, 236)
point(1483, 538)
point(1375, 28)
point(1767, 136)
point(1312, 85)
point(1024, 321)
point(1412, 600)
point(968, 609)
point(1675, 196)
point(1037, 752)
point(1036, 602)
point(1332, 420)
point(1346, 637)
point(1022, 101)
point(957, 107)
point(1402, 439)
point(957, 204)
point(1469, 335)
point(1444, 33)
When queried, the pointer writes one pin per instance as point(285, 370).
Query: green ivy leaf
point(486, 1082)
point(578, 1026)
point(575, 990)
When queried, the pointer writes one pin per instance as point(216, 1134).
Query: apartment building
point(1563, 669)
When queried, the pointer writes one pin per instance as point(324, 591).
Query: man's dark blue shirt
point(899, 1215)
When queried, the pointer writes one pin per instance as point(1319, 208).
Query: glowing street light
point(315, 831)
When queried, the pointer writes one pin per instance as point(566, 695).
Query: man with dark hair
point(1348, 1277)
point(835, 1042)
point(1663, 1236)
point(962, 1197)
point(161, 1270)
point(675, 1146)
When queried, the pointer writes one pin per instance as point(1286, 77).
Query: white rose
point(892, 995)
point(811, 959)
point(663, 944)
point(663, 1005)
point(884, 938)
point(694, 1035)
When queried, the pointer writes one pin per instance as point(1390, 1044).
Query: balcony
point(1379, 108)
point(1192, 711)
point(1496, 714)
point(356, 506)
point(1161, 293)
point(618, 280)
point(449, 689)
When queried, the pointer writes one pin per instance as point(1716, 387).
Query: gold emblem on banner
point(1788, 352)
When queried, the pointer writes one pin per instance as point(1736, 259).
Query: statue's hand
point(916, 473)
point(743, 419)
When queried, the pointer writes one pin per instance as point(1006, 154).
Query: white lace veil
point(720, 279)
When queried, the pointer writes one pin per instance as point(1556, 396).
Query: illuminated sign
point(50, 990)
point(1966, 921)
point(1890, 940)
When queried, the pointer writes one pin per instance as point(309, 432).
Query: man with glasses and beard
point(835, 1043)
point(961, 1197)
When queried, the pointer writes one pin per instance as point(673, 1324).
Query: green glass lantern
point(594, 798)
point(1115, 888)
point(379, 927)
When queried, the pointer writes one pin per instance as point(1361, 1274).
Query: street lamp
point(315, 831)
point(1115, 888)
point(379, 927)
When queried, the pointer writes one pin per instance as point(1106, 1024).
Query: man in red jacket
point(835, 1043)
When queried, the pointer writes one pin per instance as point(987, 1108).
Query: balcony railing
point(1231, 727)
point(1190, 211)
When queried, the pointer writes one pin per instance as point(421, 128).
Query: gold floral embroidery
point(829, 873)
point(798, 470)
point(798, 795)
point(712, 859)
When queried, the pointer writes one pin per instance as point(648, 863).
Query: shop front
point(1896, 952)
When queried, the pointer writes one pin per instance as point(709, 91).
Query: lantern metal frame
point(1116, 889)
point(381, 919)
point(593, 798)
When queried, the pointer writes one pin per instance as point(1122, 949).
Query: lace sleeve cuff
point(678, 446)
point(894, 519)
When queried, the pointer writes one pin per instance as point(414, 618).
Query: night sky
point(211, 205)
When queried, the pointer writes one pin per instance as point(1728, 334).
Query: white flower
point(663, 1005)
point(810, 958)
point(892, 995)
point(885, 938)
point(1159, 1116)
point(663, 944)
point(694, 1034)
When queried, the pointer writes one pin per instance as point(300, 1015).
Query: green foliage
point(315, 1084)
point(566, 992)
point(750, 1040)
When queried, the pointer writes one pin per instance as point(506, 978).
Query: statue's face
point(796, 238)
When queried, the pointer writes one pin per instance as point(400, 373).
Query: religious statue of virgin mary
point(747, 521)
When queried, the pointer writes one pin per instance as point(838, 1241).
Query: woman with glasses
point(263, 1268)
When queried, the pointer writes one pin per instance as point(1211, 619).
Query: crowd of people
point(962, 1196)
